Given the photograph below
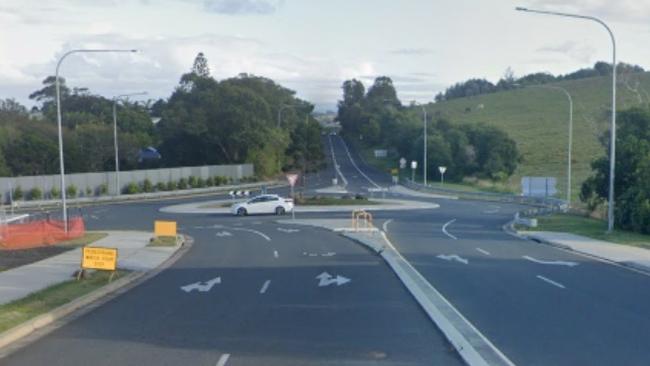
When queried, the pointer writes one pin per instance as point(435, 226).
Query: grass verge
point(88, 238)
point(20, 311)
point(591, 228)
point(162, 241)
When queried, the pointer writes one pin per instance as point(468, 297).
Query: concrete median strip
point(40, 325)
point(469, 342)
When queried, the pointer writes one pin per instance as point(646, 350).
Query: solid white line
point(254, 232)
point(265, 286)
point(223, 359)
point(483, 251)
point(336, 165)
point(444, 229)
point(355, 164)
point(550, 281)
point(385, 225)
point(275, 254)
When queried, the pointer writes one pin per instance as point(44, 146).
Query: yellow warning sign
point(99, 258)
point(164, 228)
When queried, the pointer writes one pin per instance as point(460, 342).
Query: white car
point(264, 204)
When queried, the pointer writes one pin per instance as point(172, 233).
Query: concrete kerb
point(472, 346)
point(57, 317)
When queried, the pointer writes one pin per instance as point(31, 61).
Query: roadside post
point(442, 170)
point(402, 165)
point(292, 178)
point(98, 258)
point(414, 165)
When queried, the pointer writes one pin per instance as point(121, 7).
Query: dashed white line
point(275, 254)
point(385, 225)
point(336, 165)
point(355, 164)
point(483, 251)
point(444, 229)
point(265, 286)
point(557, 284)
point(254, 232)
point(223, 359)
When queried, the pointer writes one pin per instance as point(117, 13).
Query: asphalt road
point(539, 305)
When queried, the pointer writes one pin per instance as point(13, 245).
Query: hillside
point(537, 119)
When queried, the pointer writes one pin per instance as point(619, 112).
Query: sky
point(310, 46)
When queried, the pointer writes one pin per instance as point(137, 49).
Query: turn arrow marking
point(201, 286)
point(556, 263)
point(221, 234)
point(289, 231)
point(326, 279)
point(452, 257)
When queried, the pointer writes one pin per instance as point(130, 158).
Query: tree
point(200, 67)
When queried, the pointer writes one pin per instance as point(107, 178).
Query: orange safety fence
point(39, 233)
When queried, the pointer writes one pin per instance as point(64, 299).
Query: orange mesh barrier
point(39, 233)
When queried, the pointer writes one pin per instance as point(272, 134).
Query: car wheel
point(279, 211)
point(242, 212)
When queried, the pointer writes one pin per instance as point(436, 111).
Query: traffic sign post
point(442, 170)
point(414, 165)
point(292, 178)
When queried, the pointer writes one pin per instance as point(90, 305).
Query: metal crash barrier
point(364, 217)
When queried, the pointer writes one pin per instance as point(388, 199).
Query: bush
point(71, 191)
point(103, 189)
point(132, 188)
point(171, 186)
point(160, 186)
point(55, 193)
point(89, 192)
point(192, 182)
point(359, 197)
point(200, 183)
point(35, 194)
point(18, 193)
point(209, 182)
point(182, 183)
point(147, 186)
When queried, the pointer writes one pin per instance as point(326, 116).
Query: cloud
point(412, 51)
point(240, 7)
point(619, 10)
point(581, 52)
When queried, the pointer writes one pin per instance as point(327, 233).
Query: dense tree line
point(376, 118)
point(632, 178)
point(473, 87)
point(204, 121)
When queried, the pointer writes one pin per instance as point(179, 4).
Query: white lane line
point(385, 225)
point(483, 251)
point(557, 263)
point(265, 286)
point(336, 165)
point(355, 164)
point(254, 232)
point(444, 229)
point(557, 284)
point(223, 359)
point(275, 254)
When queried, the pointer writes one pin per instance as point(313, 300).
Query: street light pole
point(612, 144)
point(117, 156)
point(424, 152)
point(570, 147)
point(60, 130)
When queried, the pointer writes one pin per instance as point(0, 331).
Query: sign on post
point(292, 178)
point(104, 259)
point(414, 165)
point(164, 228)
point(402, 163)
point(442, 170)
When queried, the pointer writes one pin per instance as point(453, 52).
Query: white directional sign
point(292, 178)
point(326, 279)
point(202, 286)
point(402, 163)
point(221, 234)
point(414, 164)
point(442, 169)
point(289, 231)
point(554, 263)
point(452, 257)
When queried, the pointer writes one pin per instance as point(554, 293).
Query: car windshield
point(311, 182)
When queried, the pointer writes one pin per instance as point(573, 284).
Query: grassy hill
point(537, 118)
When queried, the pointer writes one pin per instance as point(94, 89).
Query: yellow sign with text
point(99, 258)
point(164, 228)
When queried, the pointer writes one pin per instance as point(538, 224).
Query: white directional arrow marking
point(556, 263)
point(223, 233)
point(288, 230)
point(326, 279)
point(201, 286)
point(452, 257)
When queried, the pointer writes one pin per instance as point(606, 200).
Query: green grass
point(88, 238)
point(591, 228)
point(333, 201)
point(537, 119)
point(19, 311)
point(162, 241)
